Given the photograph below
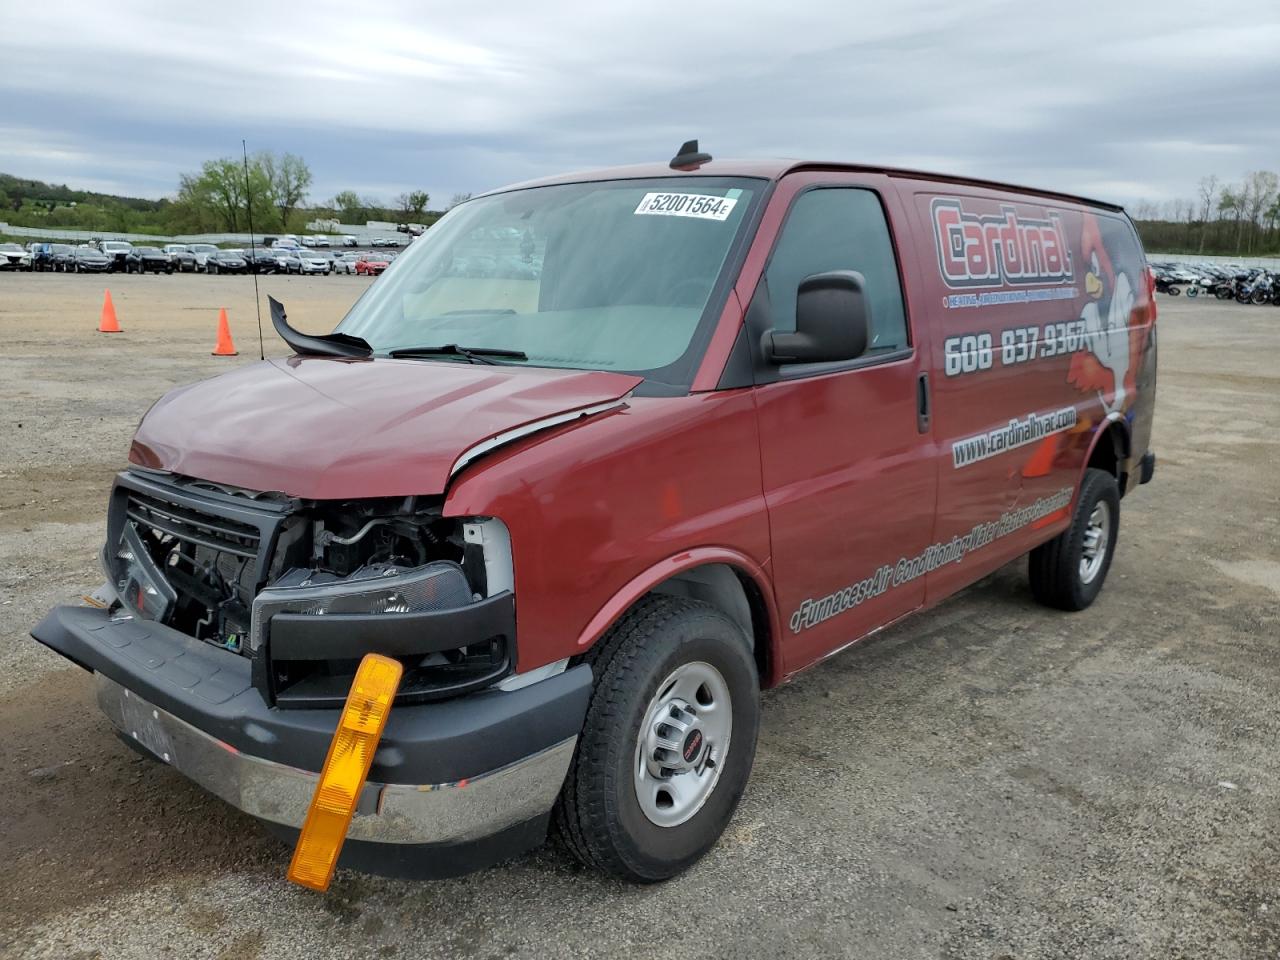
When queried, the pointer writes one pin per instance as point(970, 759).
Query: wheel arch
point(1109, 450)
point(726, 579)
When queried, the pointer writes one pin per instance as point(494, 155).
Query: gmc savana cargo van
point(595, 461)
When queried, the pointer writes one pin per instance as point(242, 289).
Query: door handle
point(922, 403)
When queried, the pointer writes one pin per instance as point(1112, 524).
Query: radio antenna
point(253, 248)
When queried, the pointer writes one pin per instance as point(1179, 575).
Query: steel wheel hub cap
point(1096, 536)
point(683, 741)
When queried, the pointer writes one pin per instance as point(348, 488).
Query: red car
point(605, 456)
point(372, 264)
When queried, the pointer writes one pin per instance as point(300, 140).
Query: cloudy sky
point(1126, 100)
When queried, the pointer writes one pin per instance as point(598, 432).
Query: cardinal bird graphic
point(1107, 366)
point(1112, 340)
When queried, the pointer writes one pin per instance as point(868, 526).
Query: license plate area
point(140, 722)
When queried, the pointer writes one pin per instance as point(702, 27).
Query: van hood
point(321, 428)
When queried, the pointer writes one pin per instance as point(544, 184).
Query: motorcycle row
point(1244, 285)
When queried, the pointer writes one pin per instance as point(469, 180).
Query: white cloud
point(1140, 98)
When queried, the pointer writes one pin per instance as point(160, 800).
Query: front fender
point(604, 508)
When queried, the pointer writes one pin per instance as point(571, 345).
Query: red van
point(598, 459)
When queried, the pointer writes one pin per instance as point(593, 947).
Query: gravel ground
point(988, 780)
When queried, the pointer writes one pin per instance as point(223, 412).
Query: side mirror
point(833, 321)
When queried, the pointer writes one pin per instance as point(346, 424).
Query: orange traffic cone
point(225, 347)
point(109, 323)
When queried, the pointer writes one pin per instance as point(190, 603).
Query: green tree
point(348, 206)
point(412, 204)
point(221, 193)
point(288, 178)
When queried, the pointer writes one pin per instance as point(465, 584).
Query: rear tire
point(1067, 573)
point(643, 666)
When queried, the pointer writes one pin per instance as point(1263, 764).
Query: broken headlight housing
point(376, 588)
point(310, 629)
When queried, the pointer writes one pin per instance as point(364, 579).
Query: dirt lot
point(989, 780)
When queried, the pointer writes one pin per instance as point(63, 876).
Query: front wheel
point(1193, 291)
point(668, 743)
point(1069, 570)
point(1260, 297)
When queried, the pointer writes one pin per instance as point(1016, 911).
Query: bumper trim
point(445, 813)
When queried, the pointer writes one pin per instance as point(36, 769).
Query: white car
point(314, 262)
point(349, 241)
point(345, 263)
point(14, 257)
point(201, 252)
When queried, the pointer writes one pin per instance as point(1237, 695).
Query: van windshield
point(615, 275)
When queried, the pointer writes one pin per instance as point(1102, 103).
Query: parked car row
point(319, 240)
point(284, 256)
point(1225, 281)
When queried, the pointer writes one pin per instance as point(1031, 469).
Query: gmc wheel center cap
point(692, 744)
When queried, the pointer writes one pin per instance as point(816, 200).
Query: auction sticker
point(698, 205)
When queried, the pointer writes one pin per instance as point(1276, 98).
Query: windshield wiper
point(470, 354)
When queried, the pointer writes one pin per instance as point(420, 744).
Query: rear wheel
point(1068, 572)
point(668, 742)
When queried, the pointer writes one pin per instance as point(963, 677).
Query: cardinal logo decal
point(1113, 342)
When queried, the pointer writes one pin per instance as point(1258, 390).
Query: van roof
point(776, 168)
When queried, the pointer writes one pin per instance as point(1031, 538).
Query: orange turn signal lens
point(345, 768)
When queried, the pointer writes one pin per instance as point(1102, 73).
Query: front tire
point(1067, 573)
point(668, 742)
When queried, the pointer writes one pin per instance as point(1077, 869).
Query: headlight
point(137, 579)
point(377, 588)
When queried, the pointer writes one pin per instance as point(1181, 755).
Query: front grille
point(212, 548)
point(192, 526)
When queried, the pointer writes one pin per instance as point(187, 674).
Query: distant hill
point(19, 190)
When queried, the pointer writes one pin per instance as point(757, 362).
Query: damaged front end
point(303, 589)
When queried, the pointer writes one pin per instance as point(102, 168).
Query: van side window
point(839, 229)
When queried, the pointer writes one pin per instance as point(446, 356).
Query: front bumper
point(448, 777)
